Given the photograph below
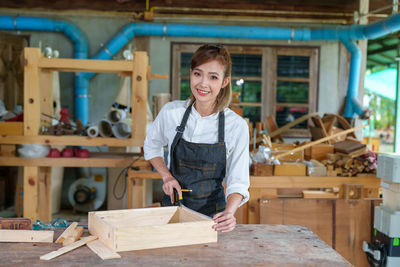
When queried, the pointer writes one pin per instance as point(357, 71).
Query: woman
point(208, 143)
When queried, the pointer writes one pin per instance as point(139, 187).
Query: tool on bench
point(15, 223)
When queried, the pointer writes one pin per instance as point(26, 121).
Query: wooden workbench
point(247, 245)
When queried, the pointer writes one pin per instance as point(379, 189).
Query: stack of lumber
point(344, 165)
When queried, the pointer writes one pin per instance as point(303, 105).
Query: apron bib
point(201, 168)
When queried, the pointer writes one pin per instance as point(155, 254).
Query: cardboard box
point(262, 169)
point(135, 229)
point(290, 169)
point(318, 152)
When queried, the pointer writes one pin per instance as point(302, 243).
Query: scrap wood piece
point(26, 236)
point(104, 252)
point(75, 235)
point(16, 223)
point(67, 232)
point(317, 142)
point(68, 248)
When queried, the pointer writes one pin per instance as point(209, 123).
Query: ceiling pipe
point(80, 46)
point(346, 34)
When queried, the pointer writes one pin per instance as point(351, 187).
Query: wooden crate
point(318, 152)
point(261, 169)
point(135, 229)
point(290, 169)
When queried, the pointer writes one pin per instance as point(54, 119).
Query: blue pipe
point(346, 34)
point(81, 51)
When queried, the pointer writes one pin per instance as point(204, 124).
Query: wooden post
point(31, 128)
point(139, 97)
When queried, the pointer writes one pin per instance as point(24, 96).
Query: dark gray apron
point(201, 168)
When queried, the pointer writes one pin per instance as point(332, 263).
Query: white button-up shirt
point(204, 130)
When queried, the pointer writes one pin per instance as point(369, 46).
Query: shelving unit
point(38, 99)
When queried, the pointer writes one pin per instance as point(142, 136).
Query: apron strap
point(221, 127)
point(181, 128)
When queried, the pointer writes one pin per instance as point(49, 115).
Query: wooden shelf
point(69, 140)
point(369, 181)
point(97, 159)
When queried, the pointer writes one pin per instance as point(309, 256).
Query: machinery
point(384, 250)
point(87, 194)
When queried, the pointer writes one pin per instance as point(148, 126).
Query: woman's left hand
point(225, 221)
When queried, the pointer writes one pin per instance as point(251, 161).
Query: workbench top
point(247, 245)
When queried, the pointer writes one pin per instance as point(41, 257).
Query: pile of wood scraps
point(20, 230)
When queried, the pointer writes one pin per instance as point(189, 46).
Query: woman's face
point(206, 81)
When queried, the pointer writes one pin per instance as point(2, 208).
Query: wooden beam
point(311, 181)
point(101, 250)
point(68, 248)
point(95, 160)
point(26, 236)
point(44, 194)
point(139, 95)
point(85, 65)
point(11, 128)
point(70, 140)
point(31, 180)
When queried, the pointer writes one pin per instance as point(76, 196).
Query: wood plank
point(353, 226)
point(66, 249)
point(70, 229)
point(31, 92)
point(271, 211)
point(44, 194)
point(11, 128)
point(101, 250)
point(69, 140)
point(26, 236)
point(311, 181)
point(96, 160)
point(46, 96)
point(75, 235)
point(316, 214)
point(139, 96)
point(84, 65)
point(31, 201)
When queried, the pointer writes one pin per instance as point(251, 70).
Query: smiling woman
point(201, 155)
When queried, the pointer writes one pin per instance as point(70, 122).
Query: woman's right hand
point(170, 183)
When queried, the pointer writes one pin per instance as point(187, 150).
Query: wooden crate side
point(98, 227)
point(139, 217)
point(170, 235)
point(188, 215)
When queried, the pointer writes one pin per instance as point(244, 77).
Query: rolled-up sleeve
point(155, 137)
point(237, 167)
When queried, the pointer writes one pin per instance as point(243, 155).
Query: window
point(276, 81)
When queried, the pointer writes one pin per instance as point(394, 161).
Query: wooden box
point(318, 152)
point(135, 229)
point(261, 169)
point(277, 149)
point(290, 169)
